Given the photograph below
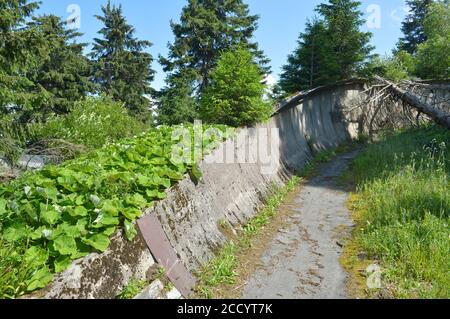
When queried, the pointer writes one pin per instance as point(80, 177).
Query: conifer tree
point(63, 71)
point(351, 48)
point(206, 28)
point(235, 94)
point(18, 47)
point(413, 26)
point(310, 64)
point(122, 68)
point(332, 48)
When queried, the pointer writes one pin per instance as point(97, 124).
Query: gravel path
point(302, 261)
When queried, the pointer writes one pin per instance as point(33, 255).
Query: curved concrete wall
point(230, 192)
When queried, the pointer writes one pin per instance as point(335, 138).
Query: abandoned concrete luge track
point(302, 261)
point(231, 191)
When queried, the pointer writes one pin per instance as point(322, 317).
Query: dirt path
point(302, 260)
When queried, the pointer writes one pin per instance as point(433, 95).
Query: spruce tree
point(351, 49)
point(310, 64)
point(63, 71)
point(332, 48)
point(235, 94)
point(122, 68)
point(18, 48)
point(206, 28)
point(413, 26)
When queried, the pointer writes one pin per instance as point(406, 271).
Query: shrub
point(92, 122)
point(235, 95)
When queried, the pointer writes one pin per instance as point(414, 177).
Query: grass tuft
point(402, 209)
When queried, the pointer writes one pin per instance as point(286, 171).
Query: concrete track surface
point(302, 261)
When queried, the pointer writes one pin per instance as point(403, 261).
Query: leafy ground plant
point(62, 213)
point(402, 207)
point(133, 288)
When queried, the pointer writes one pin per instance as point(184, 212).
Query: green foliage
point(122, 68)
point(92, 122)
point(63, 71)
point(12, 139)
point(433, 60)
point(177, 103)
point(413, 26)
point(235, 94)
point(133, 288)
point(207, 28)
point(222, 269)
point(309, 66)
point(351, 48)
point(19, 50)
point(391, 68)
point(332, 48)
point(65, 212)
point(403, 201)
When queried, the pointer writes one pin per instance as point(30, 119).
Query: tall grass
point(403, 204)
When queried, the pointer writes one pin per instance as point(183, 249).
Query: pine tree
point(310, 64)
point(18, 47)
point(122, 68)
point(413, 26)
point(207, 28)
point(176, 103)
point(235, 94)
point(63, 71)
point(351, 49)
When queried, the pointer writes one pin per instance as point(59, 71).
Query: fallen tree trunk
point(439, 116)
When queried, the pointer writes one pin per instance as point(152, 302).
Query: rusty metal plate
point(165, 254)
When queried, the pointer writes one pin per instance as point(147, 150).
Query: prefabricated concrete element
point(237, 178)
point(100, 276)
point(164, 254)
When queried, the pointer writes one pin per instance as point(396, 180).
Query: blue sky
point(280, 23)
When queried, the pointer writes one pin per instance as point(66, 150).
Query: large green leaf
point(62, 263)
point(49, 215)
point(131, 213)
point(136, 200)
point(65, 245)
point(98, 241)
point(110, 207)
point(66, 229)
point(78, 211)
point(105, 219)
point(16, 232)
point(36, 256)
point(40, 279)
point(130, 230)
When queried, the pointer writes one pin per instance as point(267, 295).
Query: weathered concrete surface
point(302, 261)
point(235, 183)
point(101, 276)
point(232, 192)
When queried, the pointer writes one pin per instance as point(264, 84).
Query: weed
point(402, 210)
point(132, 289)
